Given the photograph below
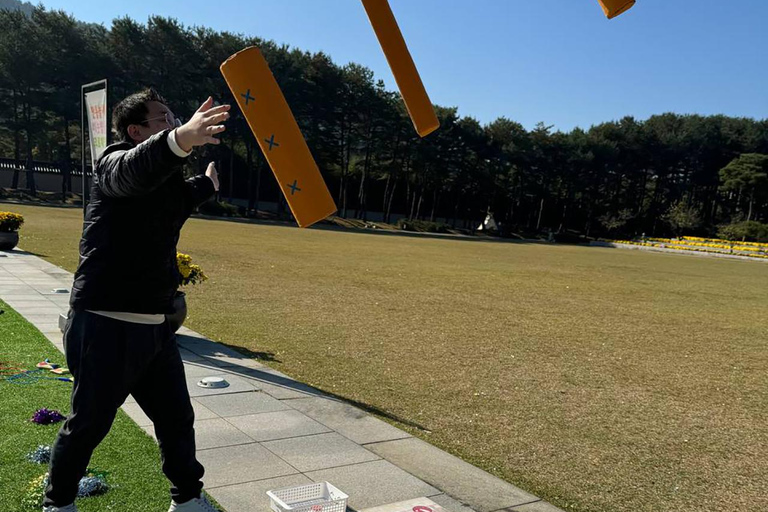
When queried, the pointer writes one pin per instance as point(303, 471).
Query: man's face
point(158, 118)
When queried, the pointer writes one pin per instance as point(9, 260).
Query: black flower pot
point(8, 240)
point(176, 319)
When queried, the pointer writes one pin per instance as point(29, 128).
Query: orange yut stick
point(613, 8)
point(272, 123)
point(406, 75)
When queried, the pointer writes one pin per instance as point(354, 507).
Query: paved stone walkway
point(266, 431)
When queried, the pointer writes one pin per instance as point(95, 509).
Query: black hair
point(133, 110)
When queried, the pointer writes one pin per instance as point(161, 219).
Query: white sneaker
point(197, 505)
point(68, 508)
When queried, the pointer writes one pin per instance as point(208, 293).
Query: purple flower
point(47, 417)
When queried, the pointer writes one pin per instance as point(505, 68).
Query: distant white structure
point(489, 224)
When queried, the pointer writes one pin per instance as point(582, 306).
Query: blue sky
point(557, 61)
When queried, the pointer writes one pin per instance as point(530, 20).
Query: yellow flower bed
point(682, 245)
point(713, 243)
point(718, 241)
point(719, 246)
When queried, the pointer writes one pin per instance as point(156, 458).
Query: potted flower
point(189, 274)
point(9, 230)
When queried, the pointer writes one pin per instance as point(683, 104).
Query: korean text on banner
point(96, 104)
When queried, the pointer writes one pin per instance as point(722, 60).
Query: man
point(117, 340)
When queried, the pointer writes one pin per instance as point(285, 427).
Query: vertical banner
point(93, 111)
point(96, 107)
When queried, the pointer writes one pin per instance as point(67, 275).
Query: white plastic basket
point(318, 497)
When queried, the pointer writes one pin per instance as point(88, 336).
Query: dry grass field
point(598, 379)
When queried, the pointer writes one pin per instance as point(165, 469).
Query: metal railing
point(10, 164)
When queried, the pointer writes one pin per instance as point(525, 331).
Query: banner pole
point(82, 147)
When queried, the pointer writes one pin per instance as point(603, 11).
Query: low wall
point(44, 181)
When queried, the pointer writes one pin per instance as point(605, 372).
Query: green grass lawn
point(598, 379)
point(130, 457)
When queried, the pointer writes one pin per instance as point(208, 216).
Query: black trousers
point(109, 360)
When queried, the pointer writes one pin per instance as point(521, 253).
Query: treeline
point(659, 176)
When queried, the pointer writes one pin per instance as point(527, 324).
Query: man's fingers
point(207, 104)
point(216, 119)
point(212, 111)
point(212, 130)
point(212, 140)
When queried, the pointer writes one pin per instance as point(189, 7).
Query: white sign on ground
point(417, 505)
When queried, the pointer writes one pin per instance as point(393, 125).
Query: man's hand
point(211, 173)
point(205, 123)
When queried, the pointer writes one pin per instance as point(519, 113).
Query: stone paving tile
point(189, 357)
point(201, 411)
point(221, 356)
point(241, 404)
point(46, 290)
point(46, 326)
point(252, 496)
point(268, 426)
point(46, 311)
point(450, 504)
point(16, 291)
point(277, 385)
point(321, 451)
point(347, 420)
point(239, 464)
point(37, 302)
point(150, 430)
point(25, 274)
point(43, 284)
point(27, 294)
point(52, 300)
point(538, 506)
point(407, 505)
point(43, 319)
point(189, 338)
point(136, 414)
point(204, 369)
point(392, 484)
point(236, 363)
point(217, 432)
point(205, 347)
point(480, 490)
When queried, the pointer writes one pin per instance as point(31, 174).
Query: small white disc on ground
point(213, 382)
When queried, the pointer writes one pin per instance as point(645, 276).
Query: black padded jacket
point(139, 202)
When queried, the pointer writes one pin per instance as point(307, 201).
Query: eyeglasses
point(170, 120)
